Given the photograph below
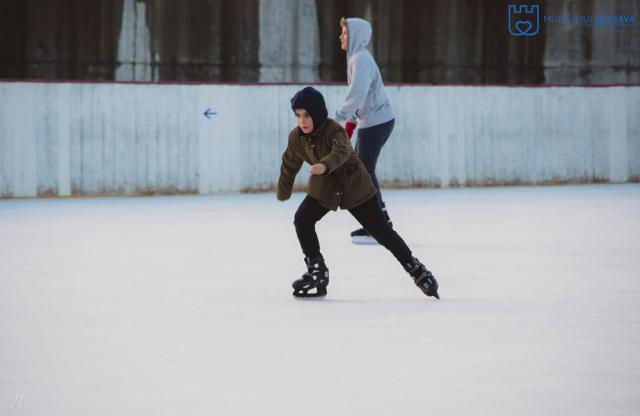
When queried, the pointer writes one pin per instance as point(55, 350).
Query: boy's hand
point(318, 169)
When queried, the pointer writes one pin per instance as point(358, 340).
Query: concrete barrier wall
point(109, 138)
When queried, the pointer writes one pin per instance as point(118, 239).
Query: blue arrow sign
point(209, 113)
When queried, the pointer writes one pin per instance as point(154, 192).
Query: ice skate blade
point(320, 292)
point(363, 239)
point(432, 294)
point(309, 295)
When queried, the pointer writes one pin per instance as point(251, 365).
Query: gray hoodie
point(366, 102)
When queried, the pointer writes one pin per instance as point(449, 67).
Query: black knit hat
point(311, 100)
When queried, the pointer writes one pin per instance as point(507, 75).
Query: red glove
point(349, 128)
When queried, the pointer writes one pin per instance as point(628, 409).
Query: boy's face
point(343, 38)
point(305, 122)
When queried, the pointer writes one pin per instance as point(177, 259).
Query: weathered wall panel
point(440, 41)
point(79, 138)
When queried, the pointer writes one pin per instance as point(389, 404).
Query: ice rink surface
point(181, 305)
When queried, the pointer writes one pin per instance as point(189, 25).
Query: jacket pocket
point(348, 170)
point(354, 178)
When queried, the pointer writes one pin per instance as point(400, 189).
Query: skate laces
point(314, 269)
point(419, 272)
point(412, 267)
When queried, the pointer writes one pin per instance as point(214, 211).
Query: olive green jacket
point(345, 184)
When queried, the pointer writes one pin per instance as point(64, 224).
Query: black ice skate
point(362, 236)
point(314, 282)
point(423, 278)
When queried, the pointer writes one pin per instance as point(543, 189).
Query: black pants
point(369, 214)
point(368, 147)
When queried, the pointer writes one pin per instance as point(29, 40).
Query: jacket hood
point(312, 101)
point(358, 35)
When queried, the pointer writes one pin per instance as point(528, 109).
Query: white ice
point(182, 305)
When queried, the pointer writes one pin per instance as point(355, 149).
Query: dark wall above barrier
point(439, 41)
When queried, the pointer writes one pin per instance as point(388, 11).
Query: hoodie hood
point(358, 35)
point(312, 101)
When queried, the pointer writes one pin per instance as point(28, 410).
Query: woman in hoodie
point(337, 179)
point(366, 106)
